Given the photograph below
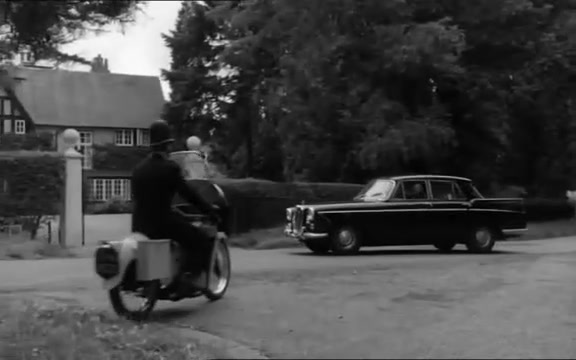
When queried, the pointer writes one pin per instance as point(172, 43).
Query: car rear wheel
point(318, 247)
point(345, 241)
point(445, 246)
point(481, 240)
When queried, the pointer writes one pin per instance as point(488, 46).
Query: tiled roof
point(87, 99)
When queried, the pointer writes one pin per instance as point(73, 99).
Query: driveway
point(519, 302)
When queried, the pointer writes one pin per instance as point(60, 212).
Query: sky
point(139, 49)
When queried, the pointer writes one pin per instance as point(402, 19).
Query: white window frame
point(20, 127)
point(124, 137)
point(97, 189)
point(84, 146)
point(143, 137)
point(104, 189)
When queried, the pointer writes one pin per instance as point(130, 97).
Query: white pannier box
point(154, 260)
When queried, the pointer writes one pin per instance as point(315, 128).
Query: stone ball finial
point(193, 143)
point(71, 137)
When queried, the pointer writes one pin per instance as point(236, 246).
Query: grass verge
point(20, 247)
point(56, 332)
point(264, 239)
point(550, 230)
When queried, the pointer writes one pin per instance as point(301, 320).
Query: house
point(105, 108)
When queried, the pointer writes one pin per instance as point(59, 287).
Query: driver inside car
point(155, 182)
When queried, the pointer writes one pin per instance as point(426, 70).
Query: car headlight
point(289, 214)
point(310, 216)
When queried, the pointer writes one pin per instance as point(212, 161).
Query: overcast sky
point(140, 50)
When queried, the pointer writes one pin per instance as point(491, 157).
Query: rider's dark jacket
point(155, 181)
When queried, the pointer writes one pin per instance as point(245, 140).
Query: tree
point(351, 89)
point(45, 26)
point(193, 73)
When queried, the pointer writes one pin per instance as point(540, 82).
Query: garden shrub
point(111, 157)
point(31, 187)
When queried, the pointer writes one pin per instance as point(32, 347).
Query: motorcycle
point(148, 269)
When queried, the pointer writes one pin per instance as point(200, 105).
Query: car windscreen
point(192, 163)
point(376, 190)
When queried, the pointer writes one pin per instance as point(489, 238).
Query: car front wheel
point(345, 241)
point(481, 240)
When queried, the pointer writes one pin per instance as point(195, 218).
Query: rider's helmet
point(160, 133)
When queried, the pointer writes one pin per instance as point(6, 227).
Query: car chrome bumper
point(305, 235)
point(514, 232)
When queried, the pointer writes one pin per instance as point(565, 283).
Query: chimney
point(100, 65)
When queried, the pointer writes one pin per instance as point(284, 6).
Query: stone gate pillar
point(71, 222)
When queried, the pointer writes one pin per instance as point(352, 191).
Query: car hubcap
point(483, 237)
point(346, 238)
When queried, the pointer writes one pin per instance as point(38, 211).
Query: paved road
point(395, 303)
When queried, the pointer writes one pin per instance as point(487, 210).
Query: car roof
point(428, 177)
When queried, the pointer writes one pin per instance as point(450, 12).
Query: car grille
point(298, 220)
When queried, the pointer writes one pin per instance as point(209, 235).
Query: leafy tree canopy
point(345, 90)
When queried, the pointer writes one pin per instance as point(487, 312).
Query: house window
point(143, 137)
point(7, 126)
point(97, 192)
point(109, 189)
point(85, 148)
point(20, 126)
point(124, 138)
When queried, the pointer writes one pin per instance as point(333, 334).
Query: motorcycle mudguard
point(126, 249)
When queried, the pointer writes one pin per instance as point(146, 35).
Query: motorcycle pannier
point(154, 260)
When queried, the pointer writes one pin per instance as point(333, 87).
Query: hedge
point(260, 204)
point(538, 210)
point(111, 157)
point(31, 187)
point(42, 141)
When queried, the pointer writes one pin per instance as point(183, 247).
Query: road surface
point(519, 302)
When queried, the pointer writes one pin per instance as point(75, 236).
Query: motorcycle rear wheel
point(151, 292)
point(218, 278)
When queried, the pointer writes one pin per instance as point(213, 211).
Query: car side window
point(398, 193)
point(458, 193)
point(469, 191)
point(415, 190)
point(446, 191)
point(442, 190)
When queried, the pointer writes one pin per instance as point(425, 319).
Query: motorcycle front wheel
point(219, 272)
point(147, 294)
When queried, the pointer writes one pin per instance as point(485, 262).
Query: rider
point(155, 181)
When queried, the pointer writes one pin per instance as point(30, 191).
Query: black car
point(408, 210)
